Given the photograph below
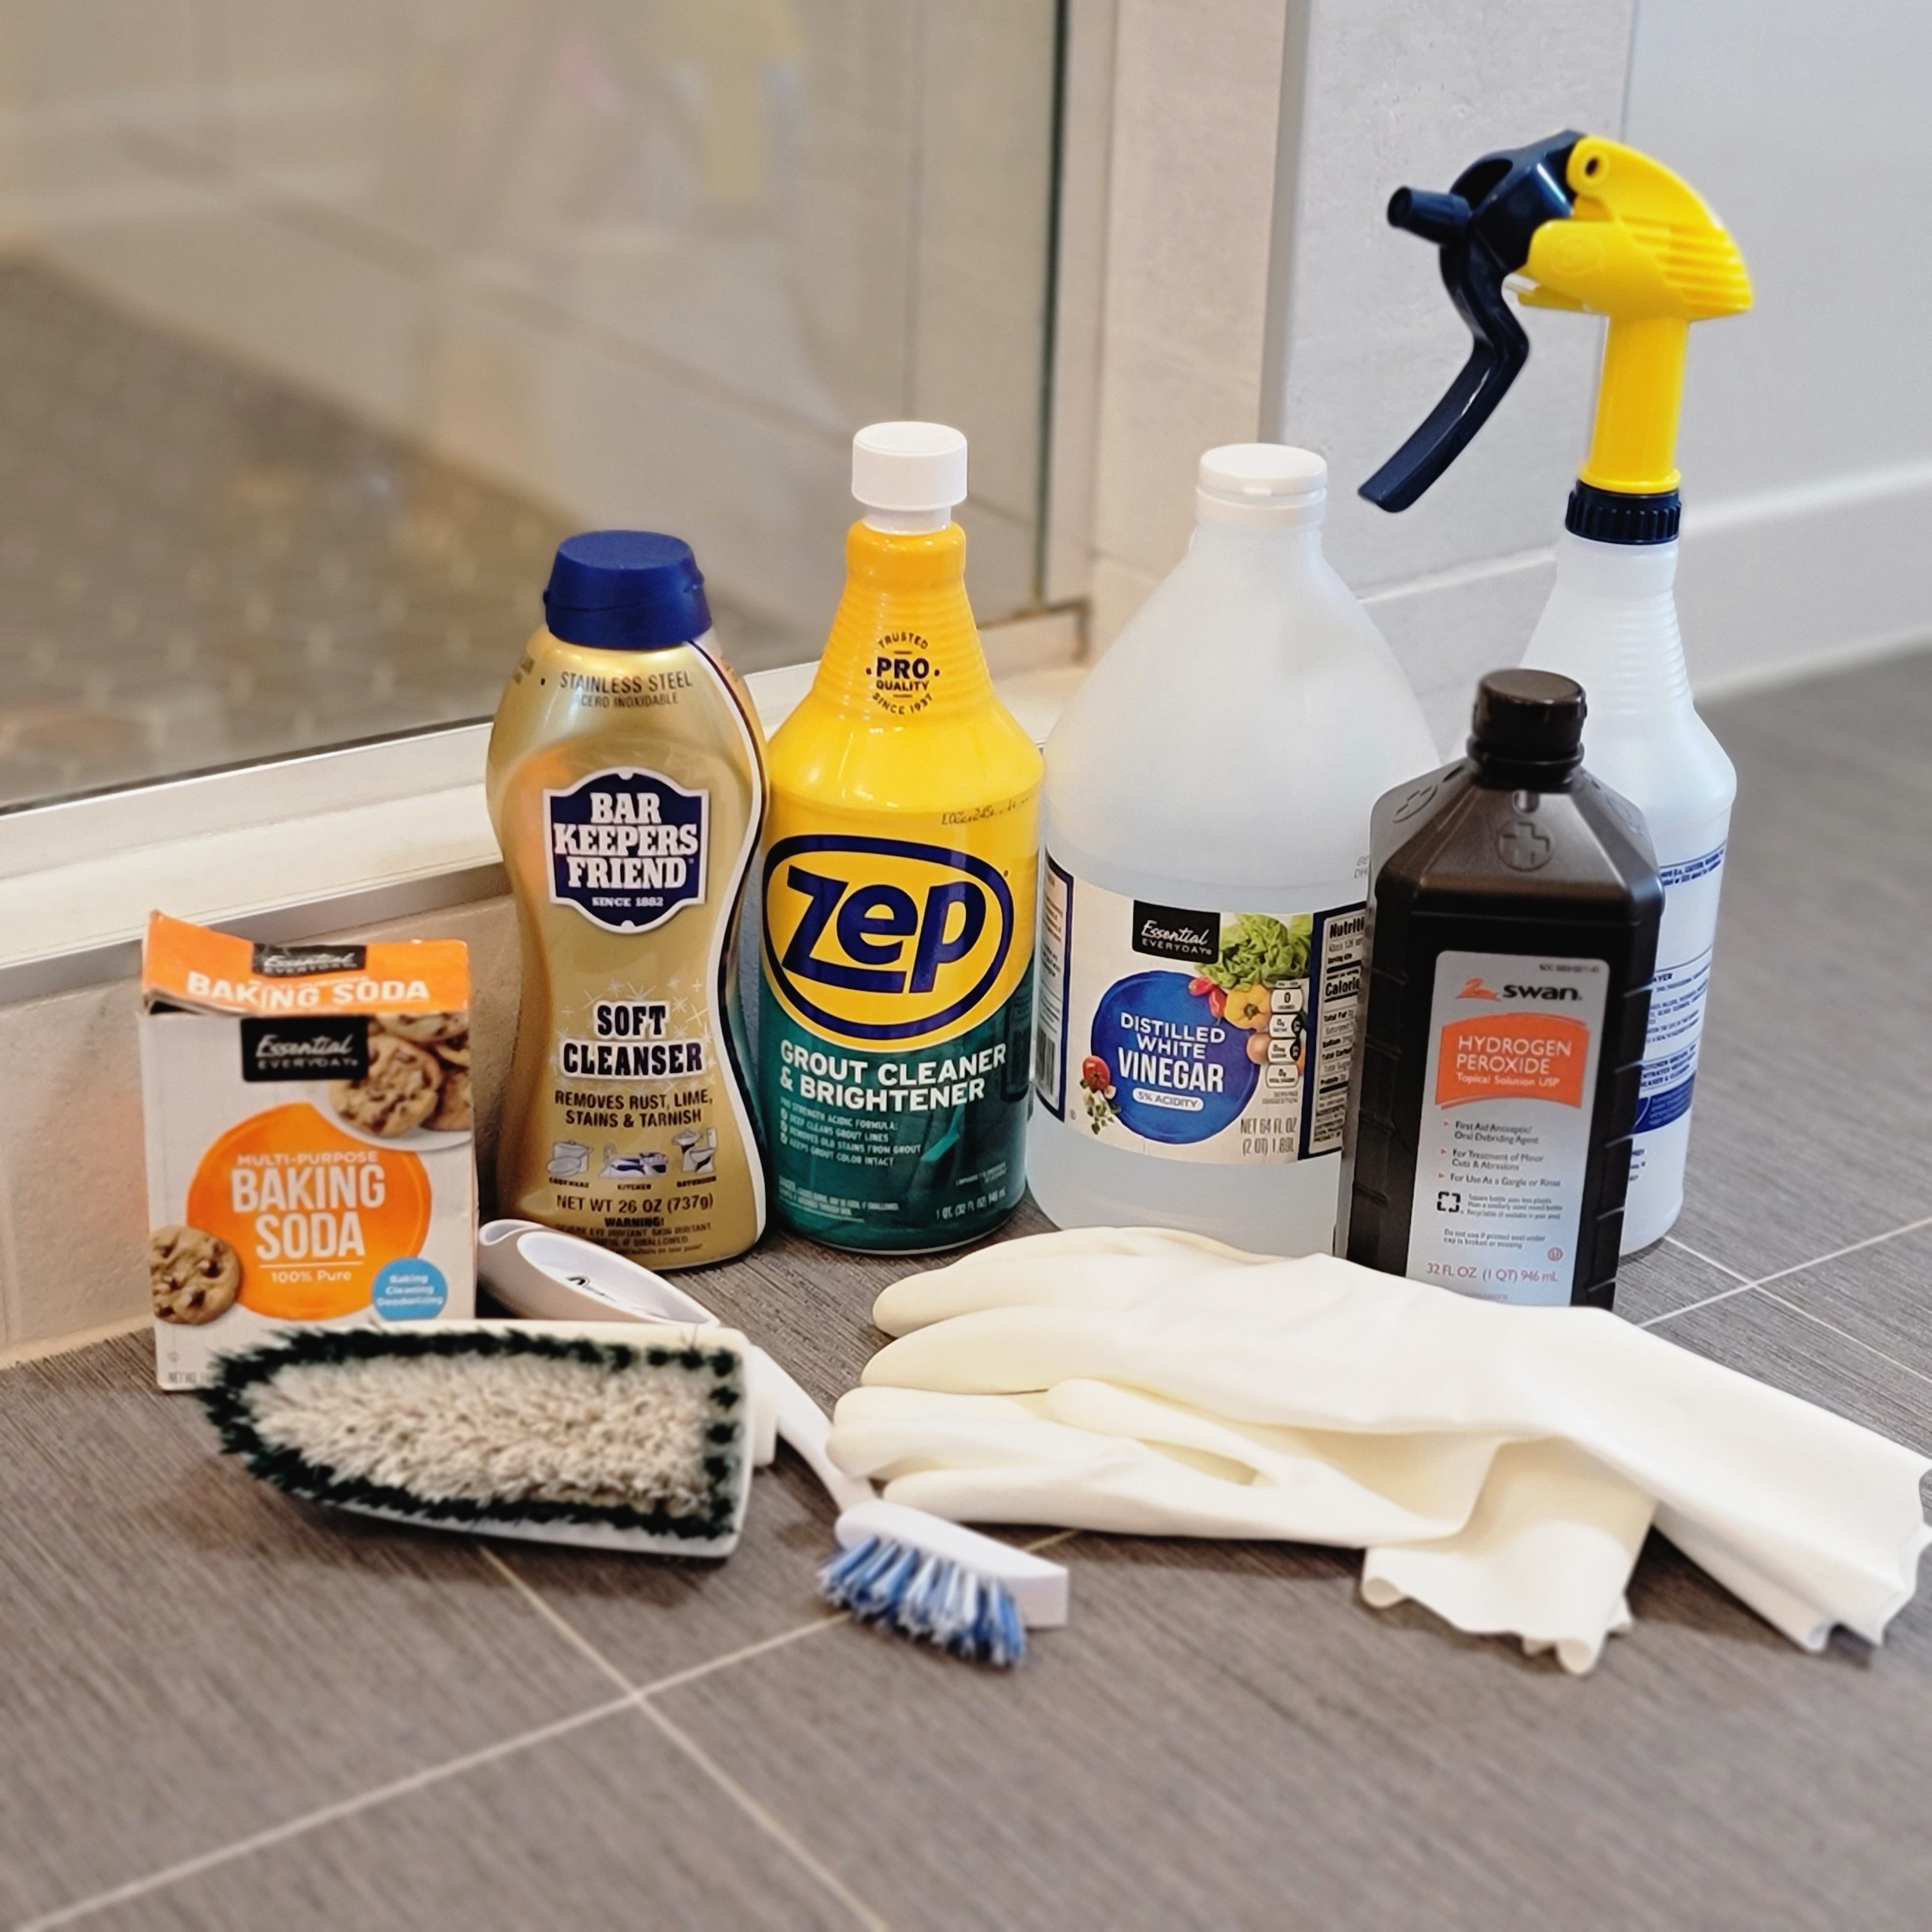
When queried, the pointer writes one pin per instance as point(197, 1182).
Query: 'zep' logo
point(873, 940)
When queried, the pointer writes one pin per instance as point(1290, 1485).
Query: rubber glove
point(1528, 1538)
point(1545, 1555)
point(1809, 1518)
point(1089, 1455)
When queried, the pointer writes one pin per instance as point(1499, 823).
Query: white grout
point(1852, 1248)
point(1691, 1307)
point(1709, 1260)
point(633, 1698)
point(564, 1628)
point(641, 1697)
point(1845, 1334)
point(1779, 1274)
point(327, 1814)
point(773, 1826)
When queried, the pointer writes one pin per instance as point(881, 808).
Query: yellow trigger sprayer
point(1587, 224)
point(1583, 223)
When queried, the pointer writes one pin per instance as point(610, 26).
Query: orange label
point(313, 1212)
point(1523, 1056)
point(190, 965)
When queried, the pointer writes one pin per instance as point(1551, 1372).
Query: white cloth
point(1500, 1464)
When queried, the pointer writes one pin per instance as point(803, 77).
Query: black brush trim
point(226, 1401)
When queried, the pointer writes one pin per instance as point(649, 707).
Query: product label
point(1677, 995)
point(626, 848)
point(1504, 1135)
point(1196, 1033)
point(892, 1043)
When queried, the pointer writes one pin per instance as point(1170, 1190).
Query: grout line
point(1779, 1274)
point(830, 1620)
point(640, 1699)
point(1048, 1542)
point(773, 1826)
point(1691, 1307)
point(1709, 1260)
point(564, 1628)
point(327, 1814)
point(1853, 1248)
point(1845, 1334)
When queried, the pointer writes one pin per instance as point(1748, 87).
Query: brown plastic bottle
point(1514, 915)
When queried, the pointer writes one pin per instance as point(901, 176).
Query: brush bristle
point(892, 1586)
point(483, 1429)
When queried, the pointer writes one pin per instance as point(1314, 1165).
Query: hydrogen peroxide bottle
point(898, 883)
point(1513, 928)
point(626, 785)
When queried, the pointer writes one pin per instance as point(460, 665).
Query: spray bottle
point(1592, 226)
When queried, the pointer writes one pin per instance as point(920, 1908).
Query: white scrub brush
point(606, 1433)
point(896, 1568)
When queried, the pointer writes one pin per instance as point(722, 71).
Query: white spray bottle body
point(1611, 623)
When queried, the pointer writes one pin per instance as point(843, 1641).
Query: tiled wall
point(650, 261)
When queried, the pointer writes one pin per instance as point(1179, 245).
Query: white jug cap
point(1262, 483)
point(910, 466)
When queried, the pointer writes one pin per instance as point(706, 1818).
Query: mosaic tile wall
point(201, 565)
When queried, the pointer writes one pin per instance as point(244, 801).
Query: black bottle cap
point(1609, 516)
point(1528, 728)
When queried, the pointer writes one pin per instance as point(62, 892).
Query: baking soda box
point(310, 1155)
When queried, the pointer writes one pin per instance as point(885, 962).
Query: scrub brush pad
point(624, 1436)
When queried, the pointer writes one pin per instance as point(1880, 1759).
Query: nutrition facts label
point(1344, 938)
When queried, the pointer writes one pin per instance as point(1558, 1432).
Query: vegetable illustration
point(1217, 1001)
point(1095, 1075)
point(1248, 1006)
point(1261, 949)
point(1257, 1048)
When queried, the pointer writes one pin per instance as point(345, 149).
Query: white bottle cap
point(1262, 483)
point(910, 473)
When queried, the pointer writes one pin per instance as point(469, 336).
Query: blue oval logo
point(878, 940)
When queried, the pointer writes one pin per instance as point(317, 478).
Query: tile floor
point(221, 1709)
point(201, 565)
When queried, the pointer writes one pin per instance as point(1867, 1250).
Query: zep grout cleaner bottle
point(626, 785)
point(898, 888)
point(1208, 791)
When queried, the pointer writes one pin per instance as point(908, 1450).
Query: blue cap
point(625, 590)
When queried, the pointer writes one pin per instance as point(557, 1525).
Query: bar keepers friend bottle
point(626, 785)
point(898, 876)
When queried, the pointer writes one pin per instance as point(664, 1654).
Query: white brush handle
point(807, 1429)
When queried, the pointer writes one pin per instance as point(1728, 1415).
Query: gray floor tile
point(1226, 1736)
point(1882, 1294)
point(1813, 1124)
point(609, 1825)
point(1664, 1278)
point(187, 1656)
point(1778, 1344)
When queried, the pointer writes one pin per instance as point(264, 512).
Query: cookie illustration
point(453, 1052)
point(194, 1276)
point(452, 1112)
point(400, 1090)
point(425, 1029)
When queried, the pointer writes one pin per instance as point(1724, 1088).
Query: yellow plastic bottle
point(898, 870)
